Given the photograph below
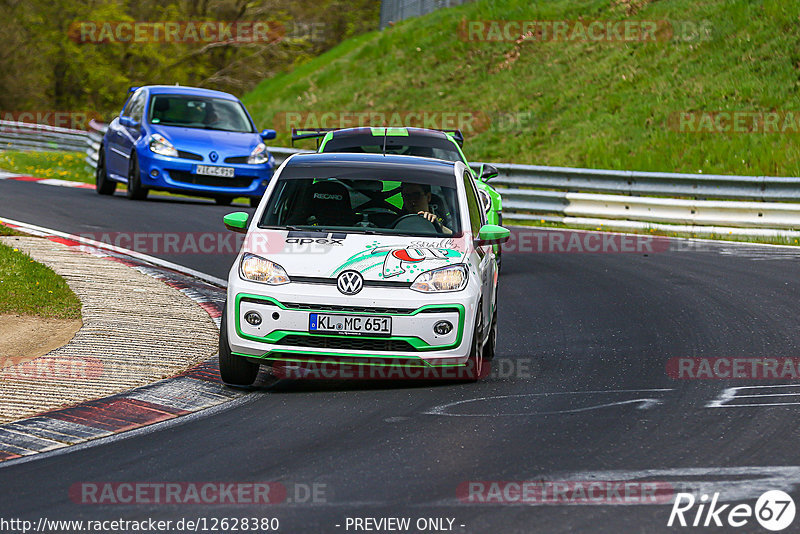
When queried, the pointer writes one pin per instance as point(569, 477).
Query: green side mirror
point(236, 222)
point(491, 234)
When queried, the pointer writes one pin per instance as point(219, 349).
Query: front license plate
point(350, 324)
point(210, 170)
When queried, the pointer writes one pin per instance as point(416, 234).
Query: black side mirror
point(488, 172)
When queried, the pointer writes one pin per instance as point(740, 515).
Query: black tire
point(223, 201)
point(135, 189)
point(475, 364)
point(102, 184)
point(234, 370)
point(255, 201)
point(491, 342)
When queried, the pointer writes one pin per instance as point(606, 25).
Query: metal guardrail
point(24, 136)
point(648, 183)
point(753, 205)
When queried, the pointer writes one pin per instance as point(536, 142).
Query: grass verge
point(61, 165)
point(606, 104)
point(30, 288)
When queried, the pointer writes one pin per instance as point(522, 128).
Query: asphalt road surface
point(580, 392)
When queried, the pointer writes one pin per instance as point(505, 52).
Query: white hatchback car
point(363, 260)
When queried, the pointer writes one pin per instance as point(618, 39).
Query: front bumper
point(177, 174)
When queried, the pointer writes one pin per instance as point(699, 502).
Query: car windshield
point(199, 112)
point(364, 202)
point(426, 147)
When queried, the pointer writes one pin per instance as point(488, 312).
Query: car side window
point(137, 107)
point(473, 205)
point(126, 107)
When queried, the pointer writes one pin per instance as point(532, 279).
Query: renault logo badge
point(350, 282)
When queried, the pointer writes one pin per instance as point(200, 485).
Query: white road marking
point(730, 395)
point(644, 403)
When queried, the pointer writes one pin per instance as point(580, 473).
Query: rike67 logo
point(774, 510)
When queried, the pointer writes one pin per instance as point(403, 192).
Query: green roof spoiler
point(310, 133)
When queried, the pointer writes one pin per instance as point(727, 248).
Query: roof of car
point(344, 159)
point(184, 90)
point(390, 131)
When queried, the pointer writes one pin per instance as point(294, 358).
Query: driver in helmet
point(416, 200)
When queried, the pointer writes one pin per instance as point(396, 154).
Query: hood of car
point(376, 257)
point(201, 141)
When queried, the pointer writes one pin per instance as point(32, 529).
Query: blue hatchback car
point(188, 140)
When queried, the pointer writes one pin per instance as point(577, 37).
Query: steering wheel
point(379, 203)
point(437, 226)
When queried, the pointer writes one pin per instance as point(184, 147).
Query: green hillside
point(572, 102)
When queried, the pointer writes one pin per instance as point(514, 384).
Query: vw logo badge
point(213, 156)
point(350, 282)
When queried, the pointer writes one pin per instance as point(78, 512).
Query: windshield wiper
point(292, 228)
point(367, 232)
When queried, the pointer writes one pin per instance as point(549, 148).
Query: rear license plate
point(350, 324)
point(210, 170)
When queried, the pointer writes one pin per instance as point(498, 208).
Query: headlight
point(160, 145)
point(450, 278)
point(258, 269)
point(485, 199)
point(259, 155)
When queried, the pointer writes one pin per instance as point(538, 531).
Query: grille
point(189, 155)
point(237, 159)
point(348, 343)
point(243, 182)
point(332, 281)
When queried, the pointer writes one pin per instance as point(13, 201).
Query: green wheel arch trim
point(276, 335)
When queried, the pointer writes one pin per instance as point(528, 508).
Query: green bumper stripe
point(276, 335)
point(269, 356)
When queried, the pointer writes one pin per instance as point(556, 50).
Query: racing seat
point(330, 205)
point(440, 208)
